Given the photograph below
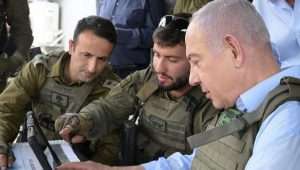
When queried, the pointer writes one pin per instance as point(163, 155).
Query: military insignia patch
point(158, 123)
point(227, 116)
point(59, 99)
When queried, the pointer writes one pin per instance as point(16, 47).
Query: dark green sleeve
point(109, 112)
point(16, 96)
point(18, 20)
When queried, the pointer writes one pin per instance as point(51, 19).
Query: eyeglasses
point(175, 22)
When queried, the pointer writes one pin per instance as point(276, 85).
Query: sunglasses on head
point(174, 22)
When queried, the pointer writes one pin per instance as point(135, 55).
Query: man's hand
point(72, 127)
point(89, 165)
point(66, 134)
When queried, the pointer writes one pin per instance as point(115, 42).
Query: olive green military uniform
point(188, 6)
point(233, 151)
point(42, 83)
point(164, 122)
point(13, 48)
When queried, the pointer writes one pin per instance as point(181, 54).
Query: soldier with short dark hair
point(63, 82)
point(15, 37)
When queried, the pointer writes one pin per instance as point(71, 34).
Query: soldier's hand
point(71, 127)
point(67, 134)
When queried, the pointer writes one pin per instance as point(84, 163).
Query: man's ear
point(71, 46)
point(235, 47)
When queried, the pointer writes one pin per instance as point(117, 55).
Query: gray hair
point(236, 17)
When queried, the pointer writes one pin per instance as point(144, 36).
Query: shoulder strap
point(288, 90)
point(147, 89)
point(143, 94)
point(149, 86)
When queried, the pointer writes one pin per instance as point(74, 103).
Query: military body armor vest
point(164, 123)
point(229, 146)
point(228, 153)
point(55, 99)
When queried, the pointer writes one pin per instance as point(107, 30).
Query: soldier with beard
point(168, 106)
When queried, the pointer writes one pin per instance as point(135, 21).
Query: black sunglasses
point(175, 22)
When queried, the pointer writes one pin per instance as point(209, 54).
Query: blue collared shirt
point(277, 143)
point(283, 24)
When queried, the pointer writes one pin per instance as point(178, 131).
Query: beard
point(178, 83)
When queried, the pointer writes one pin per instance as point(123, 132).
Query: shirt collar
point(252, 98)
point(58, 69)
point(281, 4)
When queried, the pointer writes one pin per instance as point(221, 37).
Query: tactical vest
point(164, 123)
point(55, 99)
point(229, 146)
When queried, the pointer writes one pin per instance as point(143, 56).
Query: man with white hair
point(231, 59)
point(228, 46)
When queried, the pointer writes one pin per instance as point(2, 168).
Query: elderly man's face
point(211, 70)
